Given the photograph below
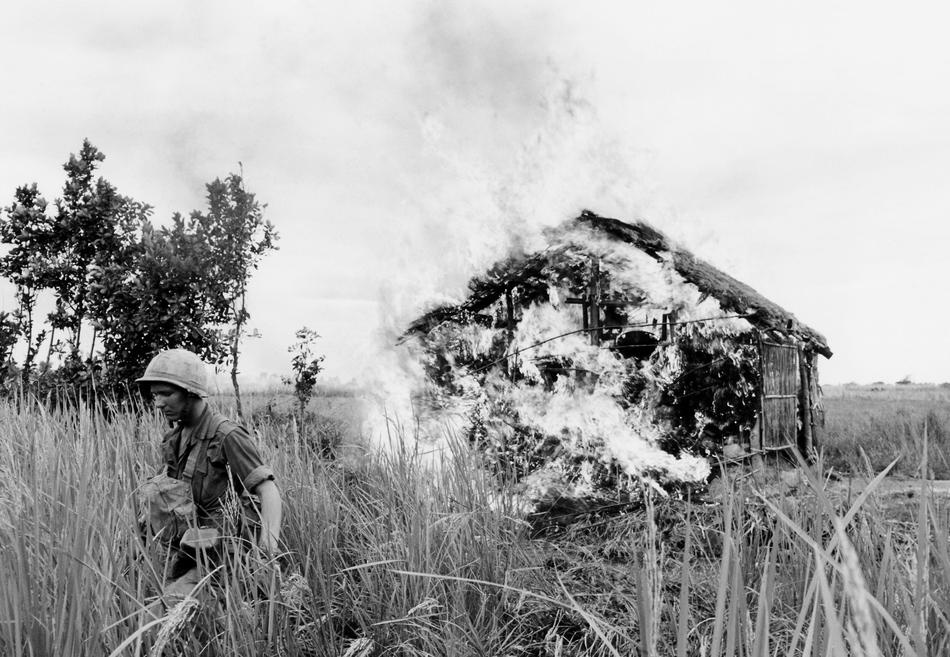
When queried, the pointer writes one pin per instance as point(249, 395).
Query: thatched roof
point(733, 295)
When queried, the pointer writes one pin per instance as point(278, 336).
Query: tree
point(162, 299)
point(140, 288)
point(183, 285)
point(238, 236)
point(305, 367)
point(27, 229)
point(92, 230)
point(9, 334)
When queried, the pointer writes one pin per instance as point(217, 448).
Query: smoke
point(483, 60)
point(510, 145)
point(477, 210)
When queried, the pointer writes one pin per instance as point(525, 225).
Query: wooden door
point(781, 384)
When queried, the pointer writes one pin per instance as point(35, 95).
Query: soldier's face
point(171, 400)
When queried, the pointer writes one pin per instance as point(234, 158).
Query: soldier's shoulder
point(224, 426)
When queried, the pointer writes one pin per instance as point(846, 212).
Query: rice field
point(390, 554)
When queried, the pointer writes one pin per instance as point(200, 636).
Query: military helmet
point(178, 367)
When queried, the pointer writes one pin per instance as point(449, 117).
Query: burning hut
point(612, 356)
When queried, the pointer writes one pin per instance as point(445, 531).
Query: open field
point(868, 426)
point(388, 555)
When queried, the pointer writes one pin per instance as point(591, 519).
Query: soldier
point(211, 464)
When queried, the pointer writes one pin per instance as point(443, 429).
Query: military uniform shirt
point(230, 447)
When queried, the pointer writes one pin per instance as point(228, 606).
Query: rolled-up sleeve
point(245, 460)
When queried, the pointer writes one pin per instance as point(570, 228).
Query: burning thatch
point(612, 356)
point(733, 295)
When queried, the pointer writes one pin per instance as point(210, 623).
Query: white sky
point(801, 146)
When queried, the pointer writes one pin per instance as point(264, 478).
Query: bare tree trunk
point(77, 335)
point(26, 317)
point(49, 352)
point(28, 357)
point(235, 352)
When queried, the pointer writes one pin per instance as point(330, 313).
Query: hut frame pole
point(510, 316)
point(590, 303)
point(814, 398)
point(761, 444)
point(806, 439)
point(593, 302)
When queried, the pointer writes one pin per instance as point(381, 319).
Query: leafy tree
point(178, 286)
point(92, 230)
point(140, 288)
point(161, 300)
point(237, 236)
point(9, 334)
point(27, 230)
point(306, 367)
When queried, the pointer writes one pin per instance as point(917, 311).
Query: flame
point(473, 215)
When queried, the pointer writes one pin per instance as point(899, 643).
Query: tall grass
point(389, 554)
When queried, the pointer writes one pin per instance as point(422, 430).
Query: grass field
point(873, 425)
point(388, 555)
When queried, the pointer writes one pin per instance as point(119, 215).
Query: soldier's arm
point(246, 463)
point(271, 511)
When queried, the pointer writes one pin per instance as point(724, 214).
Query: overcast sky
point(803, 147)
